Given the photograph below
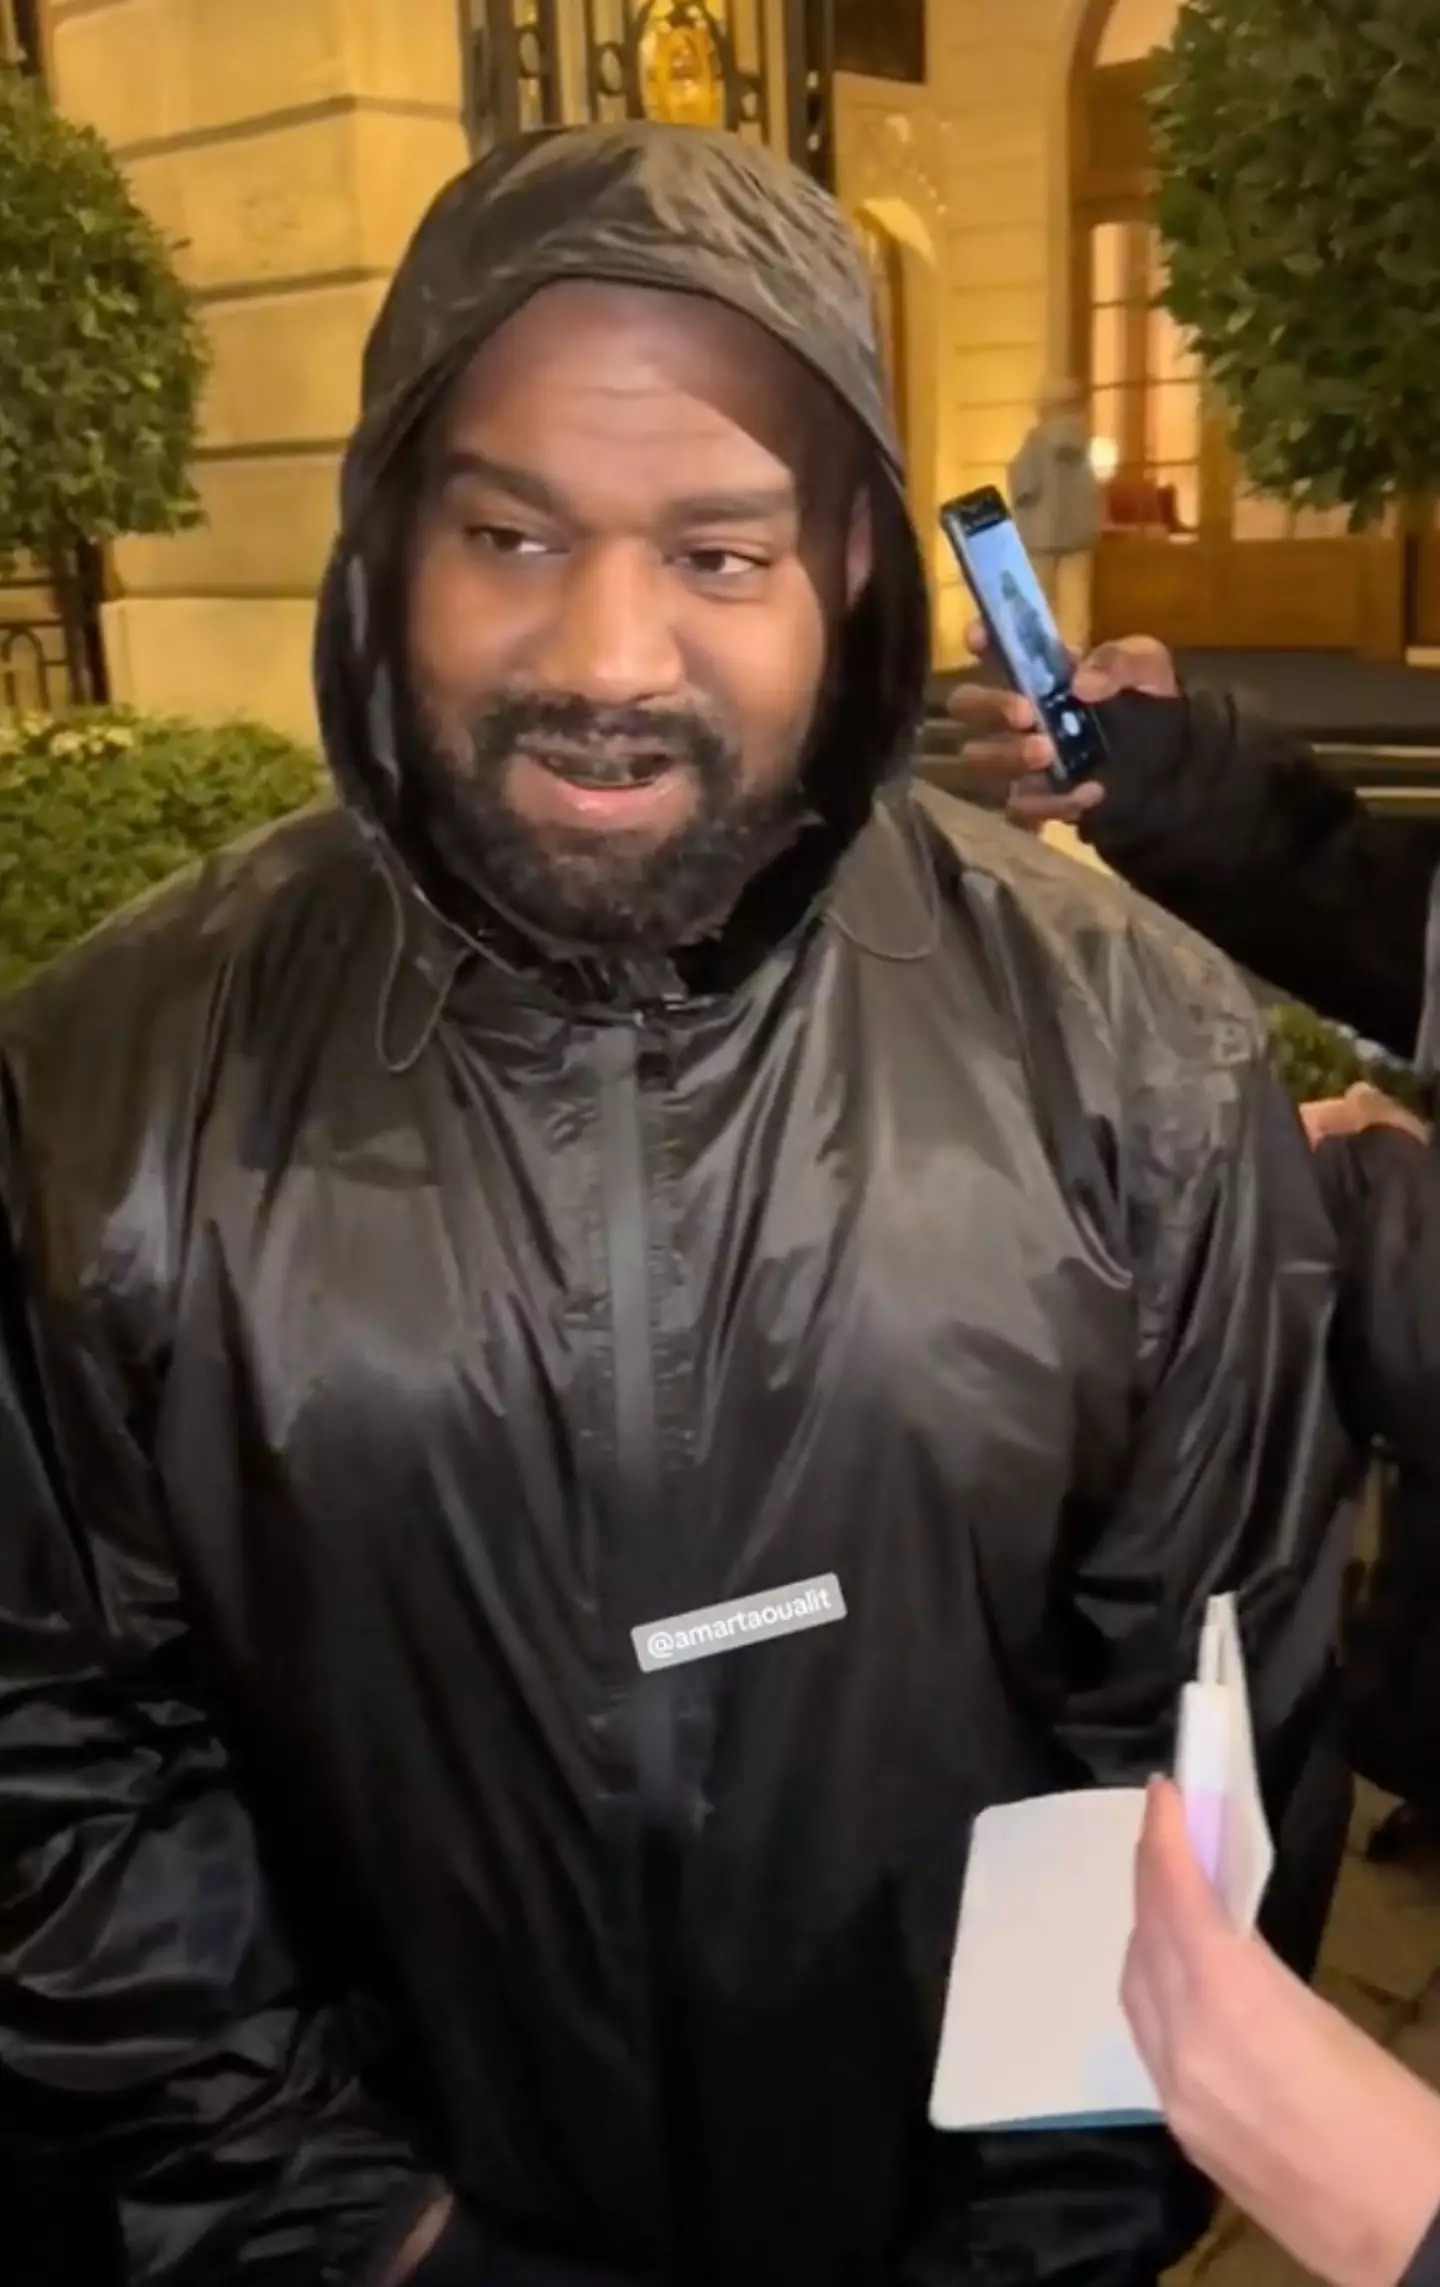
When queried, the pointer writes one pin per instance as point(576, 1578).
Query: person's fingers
point(980, 709)
point(980, 646)
point(1135, 663)
point(1167, 1856)
point(1150, 2023)
point(1035, 802)
point(1095, 683)
point(1328, 1116)
point(1139, 663)
point(1008, 757)
point(1156, 1987)
point(1314, 1121)
point(1372, 1108)
point(1177, 1916)
point(1362, 1106)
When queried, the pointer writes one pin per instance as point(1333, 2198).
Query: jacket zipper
point(655, 1698)
point(638, 1470)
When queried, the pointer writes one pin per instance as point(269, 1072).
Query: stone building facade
point(288, 147)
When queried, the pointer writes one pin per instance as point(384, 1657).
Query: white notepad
point(1034, 2035)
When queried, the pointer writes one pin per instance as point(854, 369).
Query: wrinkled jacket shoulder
point(1127, 1022)
point(1107, 961)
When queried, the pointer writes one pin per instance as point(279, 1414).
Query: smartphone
point(1011, 601)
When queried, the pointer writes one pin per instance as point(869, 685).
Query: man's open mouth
point(602, 770)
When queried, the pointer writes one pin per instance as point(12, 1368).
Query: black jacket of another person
point(1232, 824)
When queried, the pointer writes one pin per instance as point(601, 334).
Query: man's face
point(642, 532)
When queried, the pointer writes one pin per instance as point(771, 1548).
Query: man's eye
point(720, 563)
point(503, 540)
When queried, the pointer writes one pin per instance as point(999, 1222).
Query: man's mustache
point(608, 746)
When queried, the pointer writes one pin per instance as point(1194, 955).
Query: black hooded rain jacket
point(395, 1315)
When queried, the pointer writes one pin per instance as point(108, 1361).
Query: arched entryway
point(1188, 550)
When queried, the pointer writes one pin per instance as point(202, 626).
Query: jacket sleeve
point(156, 2037)
point(1383, 1192)
point(1235, 1480)
point(1423, 2269)
point(1232, 825)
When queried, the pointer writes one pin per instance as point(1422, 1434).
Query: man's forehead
point(566, 325)
point(577, 342)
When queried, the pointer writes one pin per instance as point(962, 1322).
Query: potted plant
point(104, 356)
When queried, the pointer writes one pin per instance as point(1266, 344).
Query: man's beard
point(619, 890)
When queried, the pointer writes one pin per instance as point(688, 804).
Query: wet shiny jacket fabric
point(396, 1316)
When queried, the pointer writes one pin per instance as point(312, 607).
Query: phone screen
point(1012, 602)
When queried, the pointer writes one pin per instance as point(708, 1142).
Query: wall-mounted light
point(1104, 457)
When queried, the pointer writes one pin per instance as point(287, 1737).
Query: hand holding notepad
point(1034, 2035)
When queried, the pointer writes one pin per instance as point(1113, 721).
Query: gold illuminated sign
point(682, 72)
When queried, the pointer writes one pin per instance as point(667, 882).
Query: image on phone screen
point(1022, 627)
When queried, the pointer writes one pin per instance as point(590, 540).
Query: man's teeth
point(600, 774)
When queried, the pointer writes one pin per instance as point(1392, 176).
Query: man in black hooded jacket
point(631, 1157)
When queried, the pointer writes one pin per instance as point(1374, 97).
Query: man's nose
point(611, 640)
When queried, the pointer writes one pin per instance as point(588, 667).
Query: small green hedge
point(99, 806)
point(1316, 1060)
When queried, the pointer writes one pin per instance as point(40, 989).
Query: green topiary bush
point(99, 806)
point(103, 353)
point(1298, 149)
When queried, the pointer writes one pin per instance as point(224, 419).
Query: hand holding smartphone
point(1022, 627)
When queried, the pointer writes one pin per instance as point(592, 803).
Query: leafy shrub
point(99, 806)
point(1298, 147)
point(1316, 1059)
point(104, 356)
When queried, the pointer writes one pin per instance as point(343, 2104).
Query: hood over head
point(678, 208)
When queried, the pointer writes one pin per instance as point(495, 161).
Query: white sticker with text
point(743, 1620)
